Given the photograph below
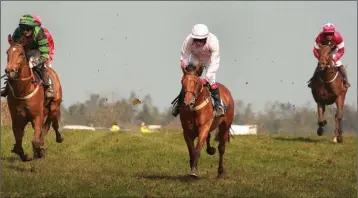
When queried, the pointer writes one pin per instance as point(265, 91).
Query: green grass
point(110, 164)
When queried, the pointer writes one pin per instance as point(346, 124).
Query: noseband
point(196, 95)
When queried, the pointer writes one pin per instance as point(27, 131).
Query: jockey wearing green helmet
point(35, 37)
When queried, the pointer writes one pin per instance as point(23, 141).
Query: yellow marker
point(115, 128)
point(144, 129)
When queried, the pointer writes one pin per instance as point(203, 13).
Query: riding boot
point(48, 88)
point(176, 108)
point(310, 80)
point(343, 71)
point(5, 90)
point(219, 110)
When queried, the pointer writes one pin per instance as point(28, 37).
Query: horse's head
point(16, 58)
point(325, 57)
point(192, 84)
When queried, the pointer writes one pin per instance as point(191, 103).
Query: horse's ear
point(197, 68)
point(184, 70)
point(9, 39)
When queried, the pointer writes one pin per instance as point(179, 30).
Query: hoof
point(211, 150)
point(220, 176)
point(193, 175)
point(221, 172)
point(340, 139)
point(334, 140)
point(23, 156)
point(39, 153)
point(59, 140)
point(324, 122)
point(26, 158)
point(320, 131)
point(38, 149)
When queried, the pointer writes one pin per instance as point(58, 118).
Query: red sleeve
point(315, 52)
point(339, 54)
point(339, 45)
point(316, 47)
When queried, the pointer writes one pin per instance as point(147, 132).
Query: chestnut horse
point(27, 103)
point(327, 88)
point(197, 118)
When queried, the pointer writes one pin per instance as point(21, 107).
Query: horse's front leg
point(189, 140)
point(338, 118)
point(203, 131)
point(18, 127)
point(209, 149)
point(321, 122)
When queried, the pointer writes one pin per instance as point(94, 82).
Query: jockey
point(329, 35)
point(202, 47)
point(37, 38)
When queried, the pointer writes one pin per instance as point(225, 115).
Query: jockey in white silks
point(202, 46)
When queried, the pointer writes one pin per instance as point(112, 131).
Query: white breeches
point(31, 64)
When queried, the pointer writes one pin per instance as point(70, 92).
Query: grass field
point(109, 164)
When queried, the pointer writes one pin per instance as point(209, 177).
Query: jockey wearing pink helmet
point(330, 36)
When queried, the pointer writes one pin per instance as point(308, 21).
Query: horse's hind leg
point(55, 125)
point(18, 130)
point(224, 132)
point(46, 126)
point(209, 149)
point(321, 108)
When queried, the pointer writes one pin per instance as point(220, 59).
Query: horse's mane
point(18, 41)
point(190, 69)
point(30, 52)
point(326, 48)
point(35, 53)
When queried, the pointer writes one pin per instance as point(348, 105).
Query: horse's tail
point(230, 134)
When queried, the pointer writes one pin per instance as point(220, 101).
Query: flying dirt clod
point(136, 101)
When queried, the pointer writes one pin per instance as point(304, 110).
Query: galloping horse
point(27, 101)
point(197, 118)
point(327, 88)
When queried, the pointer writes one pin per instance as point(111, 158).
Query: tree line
point(276, 118)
